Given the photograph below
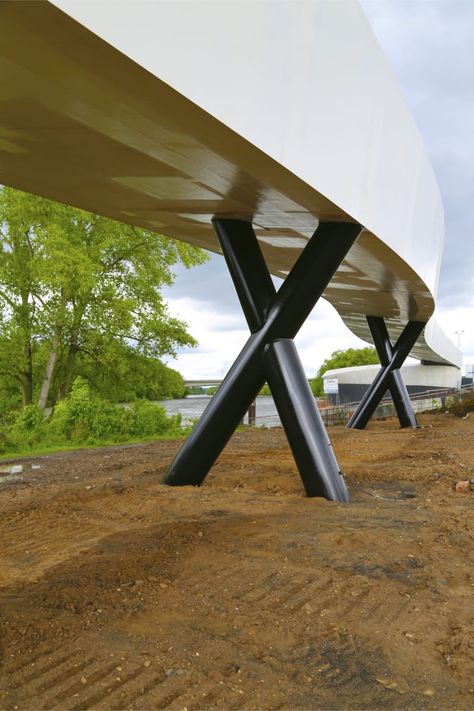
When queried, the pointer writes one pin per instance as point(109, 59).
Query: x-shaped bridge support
point(274, 319)
point(389, 376)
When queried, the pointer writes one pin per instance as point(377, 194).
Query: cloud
point(204, 297)
point(429, 46)
point(457, 323)
point(209, 283)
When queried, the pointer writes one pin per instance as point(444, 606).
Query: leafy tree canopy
point(79, 292)
point(343, 359)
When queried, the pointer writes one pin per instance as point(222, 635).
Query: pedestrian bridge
point(274, 133)
point(203, 383)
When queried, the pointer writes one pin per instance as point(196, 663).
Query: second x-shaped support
point(274, 318)
point(389, 376)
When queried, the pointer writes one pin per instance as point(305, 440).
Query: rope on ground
point(406, 497)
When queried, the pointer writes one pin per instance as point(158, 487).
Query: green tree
point(343, 359)
point(20, 291)
point(124, 375)
point(76, 285)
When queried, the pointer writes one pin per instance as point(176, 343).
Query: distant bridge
point(210, 382)
point(203, 383)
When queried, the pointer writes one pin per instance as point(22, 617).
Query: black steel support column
point(302, 422)
point(396, 384)
point(274, 320)
point(389, 376)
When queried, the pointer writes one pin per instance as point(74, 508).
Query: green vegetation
point(84, 419)
point(80, 301)
point(337, 359)
point(461, 405)
point(80, 296)
point(129, 375)
point(343, 359)
point(196, 390)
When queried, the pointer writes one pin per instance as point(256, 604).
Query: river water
point(192, 407)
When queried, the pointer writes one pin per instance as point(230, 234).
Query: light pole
point(459, 334)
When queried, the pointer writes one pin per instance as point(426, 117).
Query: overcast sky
point(430, 45)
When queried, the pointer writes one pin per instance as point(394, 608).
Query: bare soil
point(119, 593)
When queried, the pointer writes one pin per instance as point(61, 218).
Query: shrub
point(26, 430)
point(71, 418)
point(461, 406)
point(29, 418)
point(83, 418)
point(149, 419)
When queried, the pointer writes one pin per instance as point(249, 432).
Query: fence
point(435, 399)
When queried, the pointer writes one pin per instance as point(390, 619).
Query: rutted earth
point(117, 592)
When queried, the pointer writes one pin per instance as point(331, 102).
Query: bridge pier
point(270, 355)
point(389, 376)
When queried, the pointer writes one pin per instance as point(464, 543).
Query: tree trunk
point(73, 348)
point(27, 378)
point(27, 372)
point(48, 376)
point(68, 370)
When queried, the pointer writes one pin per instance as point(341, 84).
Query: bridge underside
point(87, 120)
point(140, 120)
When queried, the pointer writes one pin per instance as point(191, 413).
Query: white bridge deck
point(164, 114)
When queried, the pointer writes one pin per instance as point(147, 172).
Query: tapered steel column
point(271, 317)
point(396, 384)
point(301, 420)
point(304, 428)
point(374, 394)
point(247, 268)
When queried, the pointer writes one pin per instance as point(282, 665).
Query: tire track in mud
point(100, 681)
point(77, 682)
point(36, 550)
point(230, 598)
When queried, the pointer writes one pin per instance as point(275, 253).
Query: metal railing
point(435, 399)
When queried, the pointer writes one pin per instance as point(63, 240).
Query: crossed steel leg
point(389, 376)
point(274, 318)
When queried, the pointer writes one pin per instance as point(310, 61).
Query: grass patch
point(56, 449)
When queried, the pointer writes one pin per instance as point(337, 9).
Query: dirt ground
point(117, 592)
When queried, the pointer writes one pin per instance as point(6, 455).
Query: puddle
point(12, 472)
point(18, 468)
point(9, 478)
